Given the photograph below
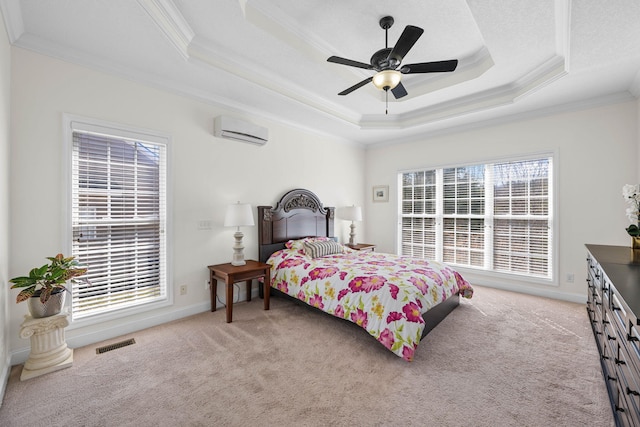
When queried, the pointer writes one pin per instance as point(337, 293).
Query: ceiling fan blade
point(399, 91)
point(430, 67)
point(349, 62)
point(356, 86)
point(407, 39)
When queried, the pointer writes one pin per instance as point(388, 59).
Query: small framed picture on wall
point(381, 193)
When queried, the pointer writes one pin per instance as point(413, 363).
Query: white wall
point(5, 100)
point(597, 153)
point(207, 174)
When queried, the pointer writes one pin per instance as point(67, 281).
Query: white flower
point(631, 194)
point(630, 191)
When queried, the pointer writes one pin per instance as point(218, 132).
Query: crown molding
point(280, 86)
point(12, 14)
point(601, 101)
point(173, 25)
point(563, 30)
point(469, 68)
point(535, 79)
point(168, 18)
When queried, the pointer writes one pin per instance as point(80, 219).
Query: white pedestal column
point(49, 351)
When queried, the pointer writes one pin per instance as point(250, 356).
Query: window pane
point(118, 222)
point(519, 220)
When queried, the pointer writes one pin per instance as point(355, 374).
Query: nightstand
point(365, 247)
point(231, 274)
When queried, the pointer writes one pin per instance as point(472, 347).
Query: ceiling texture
point(268, 58)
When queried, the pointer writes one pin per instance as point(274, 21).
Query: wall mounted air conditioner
point(240, 130)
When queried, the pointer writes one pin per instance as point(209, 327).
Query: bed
point(396, 299)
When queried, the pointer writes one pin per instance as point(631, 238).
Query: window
point(118, 218)
point(493, 217)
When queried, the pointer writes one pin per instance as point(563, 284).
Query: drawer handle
point(635, 393)
point(632, 338)
point(610, 378)
point(620, 362)
point(619, 409)
point(609, 337)
point(598, 303)
point(613, 307)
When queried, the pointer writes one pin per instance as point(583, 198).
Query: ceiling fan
point(387, 62)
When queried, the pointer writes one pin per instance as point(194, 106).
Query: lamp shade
point(352, 213)
point(387, 79)
point(238, 215)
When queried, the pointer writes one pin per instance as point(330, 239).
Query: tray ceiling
point(268, 57)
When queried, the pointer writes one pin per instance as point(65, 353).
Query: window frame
point(75, 122)
point(493, 277)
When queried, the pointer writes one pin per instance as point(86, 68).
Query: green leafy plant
point(633, 230)
point(48, 278)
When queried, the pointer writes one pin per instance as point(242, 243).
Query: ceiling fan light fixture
point(387, 79)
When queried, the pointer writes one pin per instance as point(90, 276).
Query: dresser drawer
point(628, 385)
point(632, 345)
point(593, 270)
point(621, 411)
point(620, 313)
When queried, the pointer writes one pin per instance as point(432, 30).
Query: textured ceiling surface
point(268, 58)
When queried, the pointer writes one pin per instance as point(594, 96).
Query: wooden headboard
point(298, 214)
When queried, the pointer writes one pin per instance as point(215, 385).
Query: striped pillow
point(299, 244)
point(317, 248)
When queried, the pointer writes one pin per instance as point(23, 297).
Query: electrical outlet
point(206, 284)
point(183, 289)
point(205, 224)
point(570, 277)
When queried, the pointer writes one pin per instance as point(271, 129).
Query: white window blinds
point(493, 216)
point(118, 222)
point(522, 218)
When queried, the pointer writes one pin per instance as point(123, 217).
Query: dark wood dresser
point(613, 304)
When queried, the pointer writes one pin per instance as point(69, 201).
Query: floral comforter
point(384, 294)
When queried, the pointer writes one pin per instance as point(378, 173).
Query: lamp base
point(352, 235)
point(238, 249)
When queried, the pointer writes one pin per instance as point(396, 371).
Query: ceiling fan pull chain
point(386, 105)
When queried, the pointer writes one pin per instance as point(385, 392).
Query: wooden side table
point(366, 247)
point(231, 274)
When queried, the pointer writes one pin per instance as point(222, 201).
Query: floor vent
point(117, 345)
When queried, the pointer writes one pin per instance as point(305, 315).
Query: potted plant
point(631, 193)
point(44, 287)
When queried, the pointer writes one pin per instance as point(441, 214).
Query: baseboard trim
point(123, 327)
point(545, 293)
point(6, 370)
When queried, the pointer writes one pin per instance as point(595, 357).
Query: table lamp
point(238, 215)
point(352, 213)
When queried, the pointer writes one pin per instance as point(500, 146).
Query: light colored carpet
point(500, 359)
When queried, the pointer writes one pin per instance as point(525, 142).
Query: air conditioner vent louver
point(240, 130)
